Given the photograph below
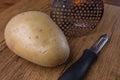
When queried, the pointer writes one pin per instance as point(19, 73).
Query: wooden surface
point(4, 4)
point(107, 66)
point(113, 2)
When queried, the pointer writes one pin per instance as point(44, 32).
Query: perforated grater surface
point(77, 17)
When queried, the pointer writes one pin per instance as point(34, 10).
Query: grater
point(77, 17)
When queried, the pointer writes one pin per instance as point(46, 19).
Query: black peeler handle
point(79, 69)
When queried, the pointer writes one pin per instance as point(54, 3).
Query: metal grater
point(77, 17)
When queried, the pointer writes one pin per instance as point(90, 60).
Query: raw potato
point(34, 36)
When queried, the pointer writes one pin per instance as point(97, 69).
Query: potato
point(35, 37)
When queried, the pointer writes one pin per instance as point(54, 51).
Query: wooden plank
point(4, 4)
point(107, 66)
point(113, 2)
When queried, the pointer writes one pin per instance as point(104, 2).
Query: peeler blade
point(96, 48)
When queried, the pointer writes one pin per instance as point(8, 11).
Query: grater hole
point(69, 10)
point(62, 9)
point(79, 7)
point(54, 16)
point(68, 14)
point(58, 23)
point(85, 5)
point(54, 19)
point(58, 9)
point(54, 12)
point(83, 8)
point(63, 6)
point(60, 16)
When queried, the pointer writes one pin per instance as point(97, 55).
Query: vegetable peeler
point(78, 70)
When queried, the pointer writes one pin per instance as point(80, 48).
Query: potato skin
point(35, 37)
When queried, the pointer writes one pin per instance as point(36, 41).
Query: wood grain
point(107, 66)
point(5, 4)
point(113, 2)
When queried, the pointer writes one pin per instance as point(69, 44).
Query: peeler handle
point(78, 69)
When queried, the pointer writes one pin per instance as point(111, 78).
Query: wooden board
point(4, 4)
point(113, 2)
point(107, 66)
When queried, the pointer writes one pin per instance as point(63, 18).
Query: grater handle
point(78, 69)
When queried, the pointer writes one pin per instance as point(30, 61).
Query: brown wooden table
point(107, 67)
point(4, 4)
